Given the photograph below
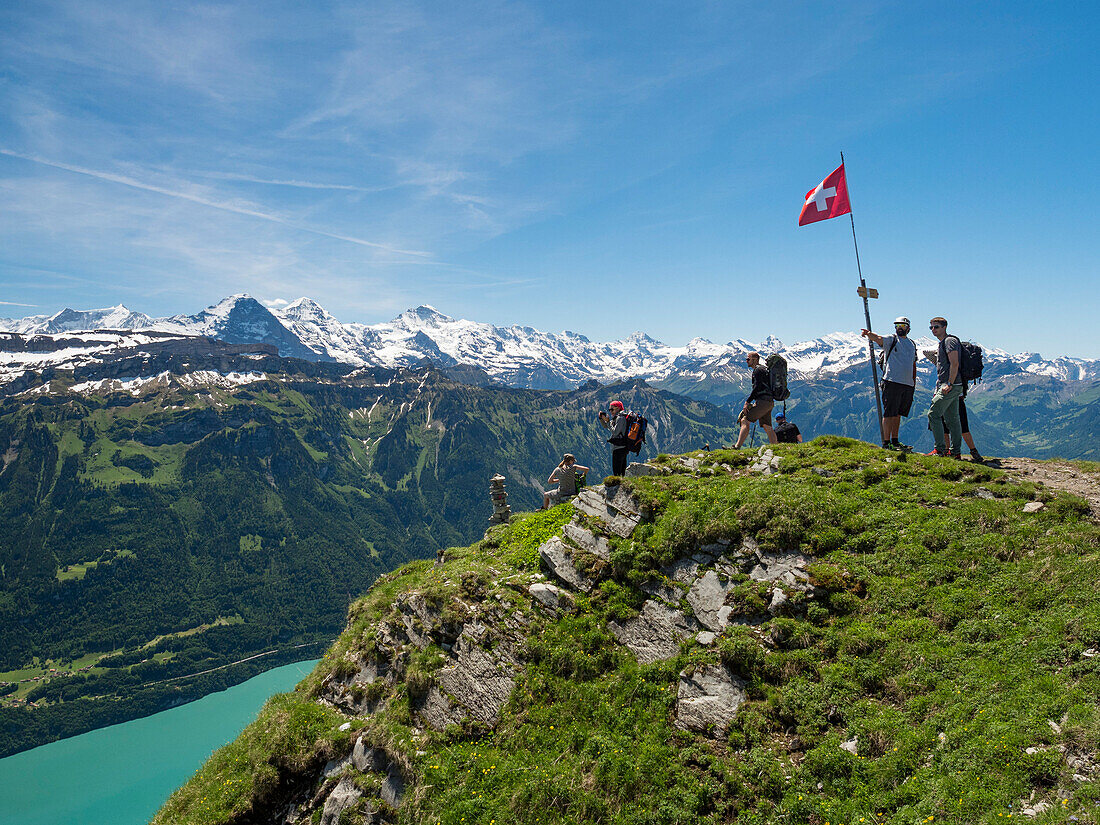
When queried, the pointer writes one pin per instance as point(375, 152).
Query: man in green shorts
point(949, 387)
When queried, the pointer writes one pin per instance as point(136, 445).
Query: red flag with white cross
point(828, 200)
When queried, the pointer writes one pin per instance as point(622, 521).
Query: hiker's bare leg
point(771, 433)
point(969, 441)
point(545, 502)
point(741, 436)
point(891, 425)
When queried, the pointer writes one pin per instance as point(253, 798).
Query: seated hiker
point(785, 431)
point(565, 474)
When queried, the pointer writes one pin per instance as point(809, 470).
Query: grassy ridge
point(949, 634)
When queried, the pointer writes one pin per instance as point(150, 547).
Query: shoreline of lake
point(125, 772)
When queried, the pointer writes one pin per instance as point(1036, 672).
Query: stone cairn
point(502, 512)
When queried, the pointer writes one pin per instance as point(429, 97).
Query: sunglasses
point(936, 326)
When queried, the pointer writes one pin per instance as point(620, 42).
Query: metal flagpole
point(866, 311)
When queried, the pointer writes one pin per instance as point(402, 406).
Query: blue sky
point(602, 167)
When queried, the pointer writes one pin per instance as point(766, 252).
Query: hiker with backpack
point(786, 432)
point(964, 421)
point(568, 475)
point(615, 421)
point(758, 406)
point(944, 410)
point(899, 379)
point(628, 431)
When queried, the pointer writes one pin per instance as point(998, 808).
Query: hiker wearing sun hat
point(899, 378)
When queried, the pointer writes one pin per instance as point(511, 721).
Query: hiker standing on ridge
point(758, 406)
point(964, 422)
point(565, 474)
point(949, 389)
point(899, 376)
point(615, 421)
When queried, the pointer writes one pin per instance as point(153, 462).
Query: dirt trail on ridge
point(1058, 475)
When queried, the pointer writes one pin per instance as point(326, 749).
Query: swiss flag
point(828, 200)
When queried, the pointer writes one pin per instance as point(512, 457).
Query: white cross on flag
point(828, 200)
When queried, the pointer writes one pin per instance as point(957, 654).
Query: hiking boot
point(905, 448)
point(975, 455)
point(941, 454)
point(957, 456)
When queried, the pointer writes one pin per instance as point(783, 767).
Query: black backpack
point(635, 431)
point(970, 360)
point(777, 377)
point(786, 433)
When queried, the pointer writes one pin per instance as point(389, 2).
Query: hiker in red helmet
point(615, 421)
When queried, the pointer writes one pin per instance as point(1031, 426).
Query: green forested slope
point(155, 535)
point(942, 666)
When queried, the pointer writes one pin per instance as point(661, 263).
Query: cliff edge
point(824, 633)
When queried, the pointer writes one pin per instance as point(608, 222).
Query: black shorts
point(962, 419)
point(896, 399)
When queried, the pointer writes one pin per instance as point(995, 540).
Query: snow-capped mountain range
point(514, 355)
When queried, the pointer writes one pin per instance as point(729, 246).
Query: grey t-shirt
point(943, 362)
point(902, 357)
point(567, 480)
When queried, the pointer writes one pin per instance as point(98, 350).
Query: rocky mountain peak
point(423, 315)
point(305, 310)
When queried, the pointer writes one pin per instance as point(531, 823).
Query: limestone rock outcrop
point(707, 699)
point(655, 633)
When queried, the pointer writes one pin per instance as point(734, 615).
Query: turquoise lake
point(121, 775)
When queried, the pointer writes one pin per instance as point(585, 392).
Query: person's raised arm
point(866, 333)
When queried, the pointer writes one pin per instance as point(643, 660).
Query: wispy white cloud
point(276, 302)
point(294, 184)
point(16, 304)
point(203, 200)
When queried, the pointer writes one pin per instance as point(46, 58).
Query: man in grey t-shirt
point(949, 389)
point(899, 375)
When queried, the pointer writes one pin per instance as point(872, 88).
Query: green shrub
point(741, 651)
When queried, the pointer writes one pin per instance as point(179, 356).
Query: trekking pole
point(866, 316)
